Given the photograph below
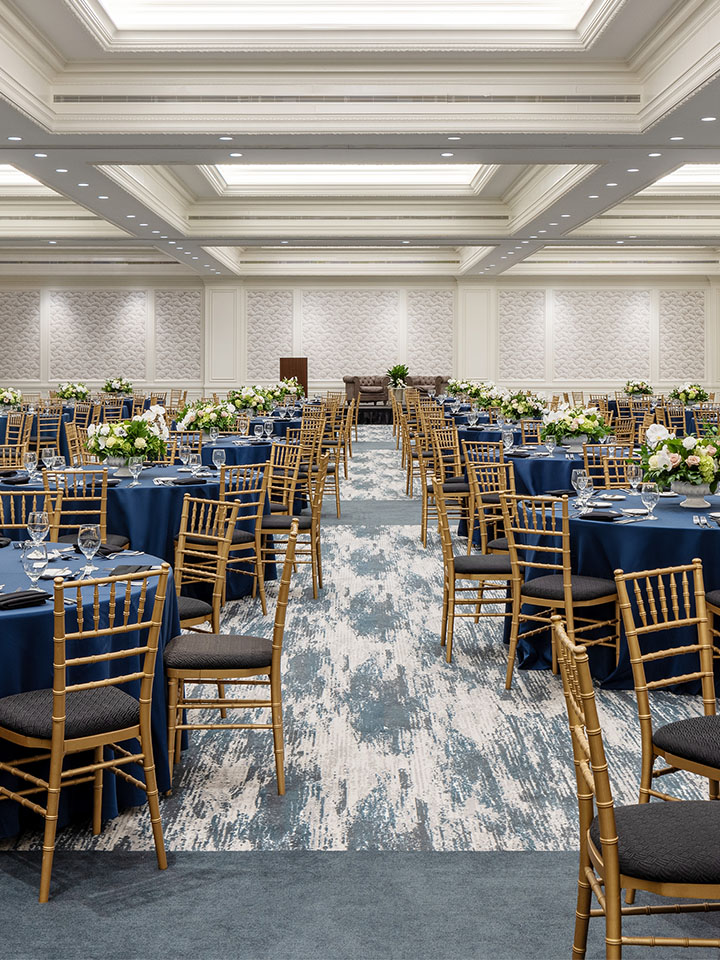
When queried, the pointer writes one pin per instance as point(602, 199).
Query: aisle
point(388, 747)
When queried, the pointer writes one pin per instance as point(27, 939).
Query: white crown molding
point(540, 187)
point(28, 67)
point(156, 188)
point(470, 257)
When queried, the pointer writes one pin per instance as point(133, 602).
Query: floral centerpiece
point(689, 393)
point(202, 415)
point(117, 385)
point(520, 406)
point(144, 436)
point(574, 426)
point(73, 391)
point(638, 387)
point(251, 398)
point(292, 386)
point(10, 398)
point(458, 388)
point(689, 465)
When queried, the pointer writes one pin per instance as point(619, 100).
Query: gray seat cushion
point(113, 541)
point(215, 651)
point(190, 607)
point(696, 739)
point(239, 536)
point(583, 588)
point(500, 543)
point(452, 487)
point(483, 563)
point(668, 842)
point(277, 507)
point(87, 712)
point(282, 522)
point(713, 597)
point(491, 498)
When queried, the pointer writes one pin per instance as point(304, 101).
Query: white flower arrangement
point(570, 421)
point(249, 398)
point(73, 391)
point(633, 387)
point(689, 393)
point(690, 459)
point(203, 416)
point(520, 406)
point(145, 436)
point(117, 385)
point(9, 397)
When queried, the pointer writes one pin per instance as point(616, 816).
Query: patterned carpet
point(388, 747)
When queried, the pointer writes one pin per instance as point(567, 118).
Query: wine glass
point(218, 457)
point(585, 493)
point(47, 455)
point(550, 444)
point(258, 429)
point(500, 420)
point(578, 479)
point(194, 463)
point(89, 543)
point(472, 418)
point(38, 525)
point(214, 434)
point(59, 462)
point(184, 453)
point(135, 465)
point(34, 560)
point(634, 473)
point(269, 427)
point(649, 495)
point(508, 438)
point(30, 462)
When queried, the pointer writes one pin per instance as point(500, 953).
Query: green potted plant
point(398, 375)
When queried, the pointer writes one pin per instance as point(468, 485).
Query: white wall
point(583, 333)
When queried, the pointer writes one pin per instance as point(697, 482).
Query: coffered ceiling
point(282, 138)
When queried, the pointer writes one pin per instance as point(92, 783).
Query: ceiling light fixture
point(180, 248)
point(102, 196)
point(143, 224)
point(533, 236)
point(654, 154)
point(164, 237)
point(196, 258)
point(454, 138)
point(405, 241)
point(287, 241)
point(619, 241)
point(503, 257)
point(172, 242)
point(677, 138)
point(15, 138)
point(39, 154)
point(593, 196)
point(524, 241)
point(633, 170)
point(610, 184)
point(235, 154)
point(188, 252)
point(60, 170)
point(554, 224)
point(155, 231)
point(52, 241)
point(224, 138)
point(564, 215)
point(447, 154)
point(542, 231)
point(83, 184)
point(708, 119)
point(130, 216)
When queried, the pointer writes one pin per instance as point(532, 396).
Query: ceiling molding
point(539, 188)
point(156, 189)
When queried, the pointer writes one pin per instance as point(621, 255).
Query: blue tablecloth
point(536, 475)
point(66, 418)
point(281, 425)
point(26, 656)
point(237, 453)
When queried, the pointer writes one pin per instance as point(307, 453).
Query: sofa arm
point(441, 385)
point(352, 388)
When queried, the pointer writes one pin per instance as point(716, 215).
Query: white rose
point(690, 443)
point(140, 443)
point(655, 433)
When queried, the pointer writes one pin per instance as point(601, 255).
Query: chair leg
point(221, 696)
point(153, 798)
point(277, 725)
point(450, 623)
point(337, 488)
point(173, 685)
point(51, 818)
point(481, 593)
point(97, 793)
point(424, 518)
point(313, 567)
point(260, 570)
point(514, 635)
point(443, 627)
point(613, 920)
point(582, 915)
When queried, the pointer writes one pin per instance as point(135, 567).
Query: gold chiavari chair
point(480, 571)
point(83, 500)
point(706, 420)
point(239, 428)
point(160, 397)
point(673, 417)
point(333, 443)
point(606, 463)
point(487, 481)
point(642, 426)
point(138, 404)
point(624, 409)
point(625, 430)
point(178, 398)
point(483, 451)
point(232, 661)
point(594, 457)
point(349, 421)
point(51, 407)
point(276, 530)
point(457, 496)
point(112, 410)
point(598, 400)
point(538, 532)
point(415, 446)
point(183, 438)
point(309, 437)
point(47, 431)
point(247, 486)
point(11, 455)
point(635, 847)
point(578, 397)
point(81, 715)
point(85, 414)
point(16, 432)
point(283, 482)
point(530, 431)
point(79, 445)
point(16, 507)
point(447, 458)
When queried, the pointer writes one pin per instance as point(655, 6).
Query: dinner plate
point(184, 470)
point(612, 496)
point(668, 493)
point(599, 505)
point(715, 515)
point(634, 512)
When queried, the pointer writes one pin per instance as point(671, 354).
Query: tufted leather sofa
point(438, 384)
point(369, 389)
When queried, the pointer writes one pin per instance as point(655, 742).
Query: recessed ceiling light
point(155, 231)
point(524, 241)
point(52, 241)
point(196, 258)
point(593, 196)
point(39, 154)
point(511, 253)
point(654, 154)
point(163, 237)
point(533, 236)
point(492, 264)
point(60, 170)
point(542, 231)
point(503, 257)
point(619, 241)
point(402, 241)
point(633, 170)
point(180, 248)
point(610, 184)
point(554, 224)
point(632, 236)
point(708, 119)
point(454, 138)
point(224, 138)
point(564, 215)
point(206, 264)
point(15, 138)
point(287, 241)
point(129, 216)
point(83, 184)
point(677, 138)
point(172, 242)
point(235, 154)
point(188, 252)
point(447, 154)
point(102, 196)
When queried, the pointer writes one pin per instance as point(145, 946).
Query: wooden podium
point(295, 367)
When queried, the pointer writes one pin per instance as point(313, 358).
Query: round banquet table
point(238, 450)
point(26, 657)
point(599, 548)
point(67, 416)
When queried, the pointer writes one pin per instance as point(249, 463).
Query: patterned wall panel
point(601, 334)
point(20, 326)
point(350, 332)
point(430, 332)
point(270, 332)
point(521, 329)
point(97, 333)
point(682, 334)
point(178, 335)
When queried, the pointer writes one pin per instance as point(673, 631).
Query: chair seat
point(491, 498)
point(189, 608)
point(276, 507)
point(239, 536)
point(583, 588)
point(451, 488)
point(483, 563)
point(668, 842)
point(331, 467)
point(217, 651)
point(283, 522)
point(500, 543)
point(713, 597)
point(696, 739)
point(113, 541)
point(88, 712)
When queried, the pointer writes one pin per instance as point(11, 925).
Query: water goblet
point(578, 479)
point(47, 455)
point(585, 493)
point(634, 473)
point(34, 560)
point(550, 444)
point(500, 420)
point(214, 434)
point(30, 462)
point(89, 543)
point(269, 427)
point(59, 462)
point(184, 453)
point(135, 465)
point(218, 457)
point(649, 495)
point(194, 463)
point(38, 525)
point(258, 429)
point(508, 438)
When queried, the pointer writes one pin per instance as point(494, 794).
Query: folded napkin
point(23, 598)
point(184, 481)
point(5, 542)
point(600, 515)
point(8, 472)
point(103, 550)
point(114, 481)
point(519, 454)
point(124, 568)
point(15, 481)
point(560, 493)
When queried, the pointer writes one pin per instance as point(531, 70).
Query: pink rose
point(675, 459)
point(691, 461)
point(711, 450)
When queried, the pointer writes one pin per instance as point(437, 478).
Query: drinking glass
point(184, 453)
point(472, 418)
point(218, 457)
point(194, 463)
point(649, 495)
point(585, 493)
point(258, 429)
point(47, 455)
point(30, 462)
point(578, 479)
point(269, 427)
point(508, 438)
point(89, 543)
point(214, 434)
point(38, 525)
point(634, 474)
point(550, 444)
point(500, 419)
point(135, 465)
point(59, 462)
point(34, 560)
